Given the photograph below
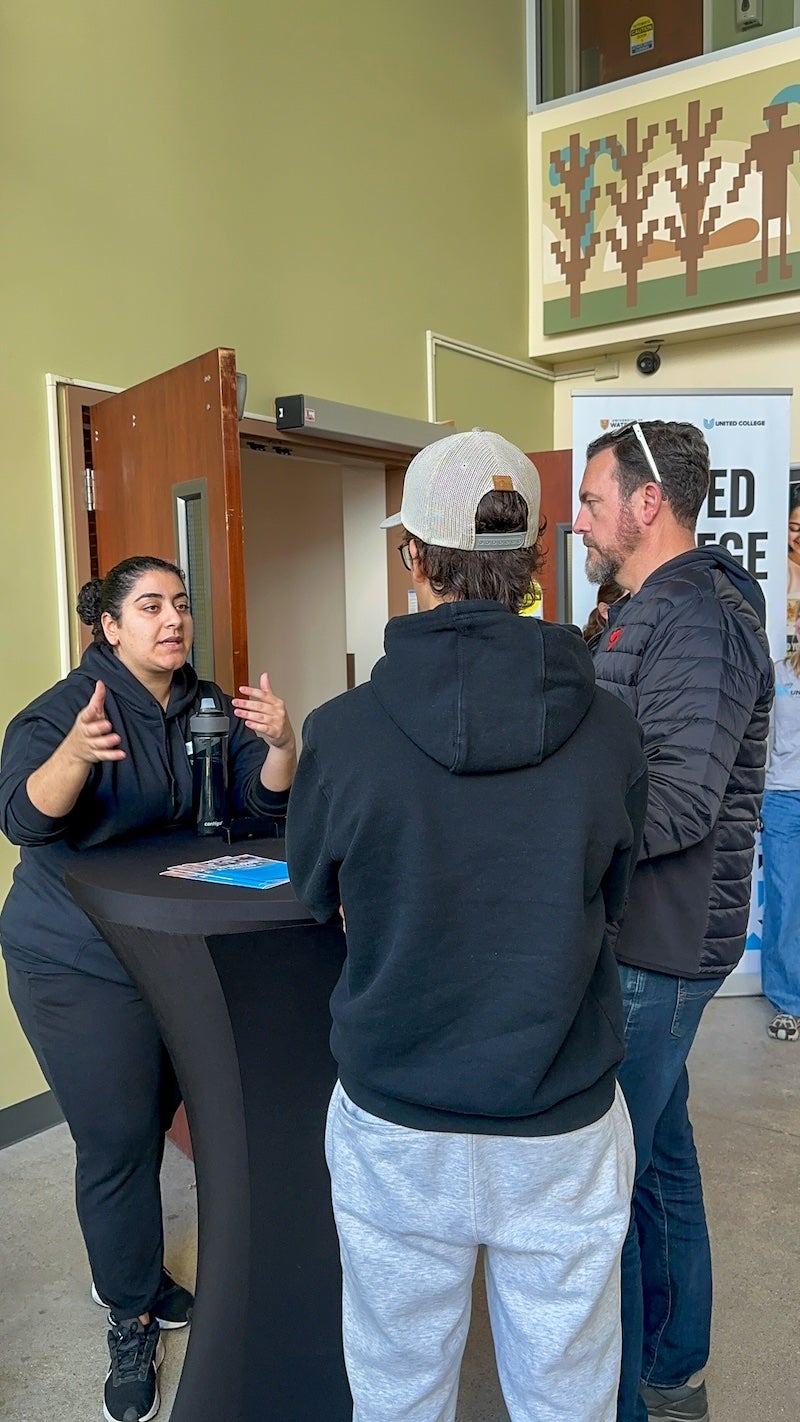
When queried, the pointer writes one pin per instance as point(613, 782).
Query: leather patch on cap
point(503, 481)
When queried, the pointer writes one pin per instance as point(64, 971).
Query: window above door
point(578, 45)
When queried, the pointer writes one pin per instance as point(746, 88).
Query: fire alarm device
point(749, 14)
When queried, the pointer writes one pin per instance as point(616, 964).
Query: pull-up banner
point(747, 432)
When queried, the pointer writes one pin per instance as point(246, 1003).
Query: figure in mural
point(630, 209)
point(772, 154)
point(726, 194)
point(573, 167)
point(691, 184)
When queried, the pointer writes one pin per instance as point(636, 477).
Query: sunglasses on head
point(636, 430)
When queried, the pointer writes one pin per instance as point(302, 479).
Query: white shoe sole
point(158, 1359)
point(165, 1324)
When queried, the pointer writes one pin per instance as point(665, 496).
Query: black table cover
point(239, 981)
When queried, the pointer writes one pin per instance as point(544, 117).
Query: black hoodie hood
point(99, 663)
point(713, 556)
point(479, 689)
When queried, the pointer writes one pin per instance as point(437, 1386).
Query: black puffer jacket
point(688, 654)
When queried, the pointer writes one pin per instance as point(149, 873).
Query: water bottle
point(208, 729)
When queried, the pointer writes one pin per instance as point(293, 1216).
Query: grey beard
point(601, 568)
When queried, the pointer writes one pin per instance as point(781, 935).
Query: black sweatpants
point(100, 1051)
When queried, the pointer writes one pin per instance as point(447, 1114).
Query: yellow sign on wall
point(643, 35)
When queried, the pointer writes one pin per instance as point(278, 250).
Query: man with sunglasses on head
point(475, 809)
point(686, 650)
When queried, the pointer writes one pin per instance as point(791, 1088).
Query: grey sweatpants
point(412, 1208)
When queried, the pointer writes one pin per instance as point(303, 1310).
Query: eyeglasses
point(405, 553)
point(635, 429)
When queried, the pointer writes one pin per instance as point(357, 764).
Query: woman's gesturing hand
point(92, 737)
point(264, 713)
point(55, 786)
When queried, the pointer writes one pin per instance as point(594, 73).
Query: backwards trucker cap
point(446, 481)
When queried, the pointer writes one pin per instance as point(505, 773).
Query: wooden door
point(617, 41)
point(178, 429)
point(555, 472)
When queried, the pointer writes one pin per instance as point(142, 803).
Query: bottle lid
point(209, 722)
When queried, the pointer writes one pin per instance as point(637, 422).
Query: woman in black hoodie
point(104, 754)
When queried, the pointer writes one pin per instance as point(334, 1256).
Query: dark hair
point(505, 577)
point(109, 593)
point(608, 593)
point(681, 457)
point(794, 497)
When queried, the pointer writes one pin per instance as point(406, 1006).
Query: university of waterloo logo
point(604, 424)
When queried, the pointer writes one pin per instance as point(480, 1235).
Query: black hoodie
point(41, 927)
point(476, 808)
point(688, 654)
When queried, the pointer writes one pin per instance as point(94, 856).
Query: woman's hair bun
point(88, 604)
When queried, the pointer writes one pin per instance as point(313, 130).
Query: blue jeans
point(666, 1261)
point(780, 941)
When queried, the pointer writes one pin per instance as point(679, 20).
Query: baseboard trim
point(741, 985)
point(28, 1118)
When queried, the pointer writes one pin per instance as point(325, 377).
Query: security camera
point(648, 362)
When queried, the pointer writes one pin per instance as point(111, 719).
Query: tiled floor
point(746, 1109)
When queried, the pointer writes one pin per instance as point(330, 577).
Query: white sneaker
point(784, 1027)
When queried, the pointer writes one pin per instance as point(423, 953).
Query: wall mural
point(693, 200)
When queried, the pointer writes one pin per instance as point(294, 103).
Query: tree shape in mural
point(771, 154)
point(691, 189)
point(573, 167)
point(630, 208)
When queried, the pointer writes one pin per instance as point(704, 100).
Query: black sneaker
point(131, 1390)
point(676, 1404)
point(172, 1308)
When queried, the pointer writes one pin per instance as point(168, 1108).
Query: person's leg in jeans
point(411, 1209)
point(675, 1250)
point(100, 1051)
point(780, 943)
point(662, 1015)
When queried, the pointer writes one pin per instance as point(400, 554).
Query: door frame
point(65, 399)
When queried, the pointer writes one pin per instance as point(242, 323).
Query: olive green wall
point(473, 393)
point(778, 15)
point(314, 184)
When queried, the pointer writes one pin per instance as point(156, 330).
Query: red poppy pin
point(614, 638)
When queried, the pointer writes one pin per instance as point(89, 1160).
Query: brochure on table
point(246, 871)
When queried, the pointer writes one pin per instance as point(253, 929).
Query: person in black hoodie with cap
point(475, 810)
point(687, 652)
point(102, 754)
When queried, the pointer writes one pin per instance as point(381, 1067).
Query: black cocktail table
point(239, 981)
